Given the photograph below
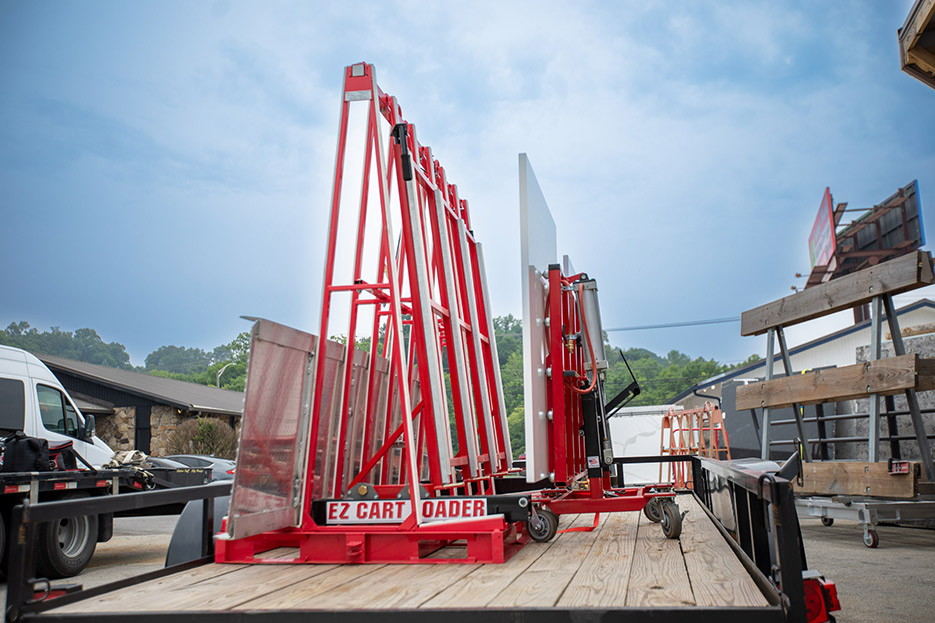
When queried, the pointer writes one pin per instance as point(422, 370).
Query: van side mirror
point(90, 428)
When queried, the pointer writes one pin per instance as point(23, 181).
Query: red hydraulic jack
point(569, 453)
point(336, 432)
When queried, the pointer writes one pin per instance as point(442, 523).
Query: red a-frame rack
point(334, 433)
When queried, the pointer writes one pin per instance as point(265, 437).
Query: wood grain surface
point(911, 271)
point(626, 561)
point(883, 376)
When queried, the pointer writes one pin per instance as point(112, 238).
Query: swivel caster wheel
point(871, 538)
point(671, 520)
point(543, 525)
point(827, 521)
point(653, 510)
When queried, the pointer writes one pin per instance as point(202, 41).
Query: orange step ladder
point(700, 432)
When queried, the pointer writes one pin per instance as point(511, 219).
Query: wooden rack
point(904, 373)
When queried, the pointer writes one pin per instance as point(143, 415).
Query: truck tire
point(3, 562)
point(66, 545)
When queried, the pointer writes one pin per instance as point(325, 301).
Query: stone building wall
point(163, 421)
point(118, 430)
point(924, 345)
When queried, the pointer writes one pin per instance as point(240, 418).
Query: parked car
point(158, 461)
point(221, 469)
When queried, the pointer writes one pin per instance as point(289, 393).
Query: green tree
point(509, 333)
point(82, 345)
point(516, 422)
point(178, 359)
point(511, 374)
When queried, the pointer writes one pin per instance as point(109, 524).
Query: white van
point(33, 401)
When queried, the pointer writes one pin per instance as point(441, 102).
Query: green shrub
point(203, 435)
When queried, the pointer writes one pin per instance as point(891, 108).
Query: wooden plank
point(304, 595)
point(478, 588)
point(219, 591)
point(908, 272)
point(918, 329)
point(279, 553)
point(393, 586)
point(176, 581)
point(857, 478)
point(657, 576)
point(923, 59)
point(717, 576)
point(884, 376)
point(923, 13)
point(542, 584)
point(602, 581)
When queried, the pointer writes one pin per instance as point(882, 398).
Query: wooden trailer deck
point(625, 563)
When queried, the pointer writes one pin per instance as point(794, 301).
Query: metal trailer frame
point(753, 509)
point(868, 511)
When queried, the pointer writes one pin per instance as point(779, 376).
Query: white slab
point(538, 251)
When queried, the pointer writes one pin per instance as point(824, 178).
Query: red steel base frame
point(570, 501)
point(490, 540)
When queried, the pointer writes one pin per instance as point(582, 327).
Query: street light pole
point(221, 371)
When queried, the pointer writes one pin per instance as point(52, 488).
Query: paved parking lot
point(139, 545)
point(889, 583)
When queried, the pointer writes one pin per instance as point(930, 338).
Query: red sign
point(396, 511)
point(821, 242)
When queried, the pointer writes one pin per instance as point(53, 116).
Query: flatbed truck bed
point(740, 526)
point(625, 565)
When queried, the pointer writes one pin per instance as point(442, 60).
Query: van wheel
point(66, 545)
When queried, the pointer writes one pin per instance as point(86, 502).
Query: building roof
point(917, 43)
point(179, 394)
point(88, 404)
point(741, 371)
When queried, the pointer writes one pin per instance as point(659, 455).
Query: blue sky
point(165, 167)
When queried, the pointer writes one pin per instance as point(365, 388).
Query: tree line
point(176, 362)
point(660, 377)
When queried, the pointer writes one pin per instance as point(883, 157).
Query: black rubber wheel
point(546, 528)
point(671, 520)
point(653, 511)
point(827, 521)
point(871, 538)
point(3, 562)
point(66, 545)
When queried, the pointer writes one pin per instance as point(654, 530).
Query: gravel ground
point(889, 583)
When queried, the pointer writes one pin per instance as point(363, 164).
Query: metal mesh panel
point(331, 386)
point(274, 431)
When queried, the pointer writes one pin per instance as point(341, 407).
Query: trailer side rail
point(26, 518)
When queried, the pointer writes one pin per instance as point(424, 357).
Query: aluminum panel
point(267, 487)
point(332, 387)
point(538, 251)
